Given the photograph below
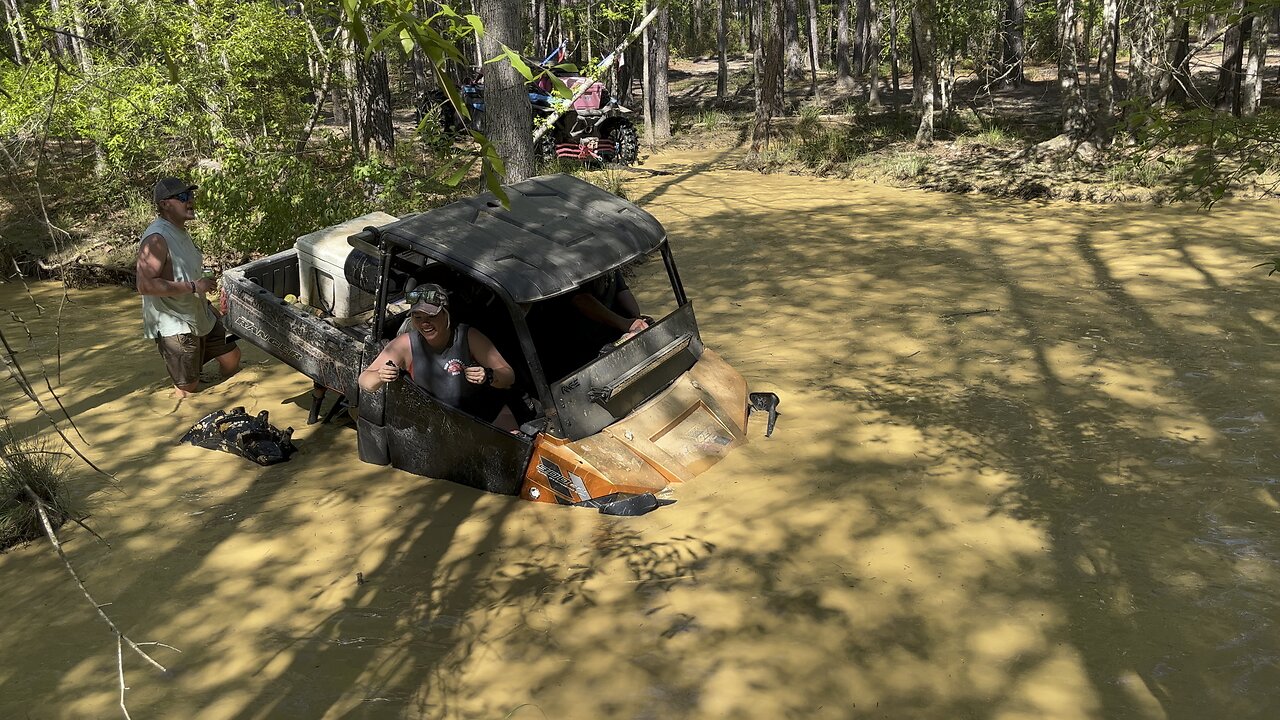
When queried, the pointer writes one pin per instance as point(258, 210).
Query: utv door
point(403, 426)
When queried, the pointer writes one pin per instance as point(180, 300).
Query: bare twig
point(120, 672)
point(57, 546)
point(969, 312)
point(31, 342)
point(90, 530)
point(20, 378)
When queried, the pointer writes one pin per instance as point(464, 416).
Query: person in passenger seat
point(456, 363)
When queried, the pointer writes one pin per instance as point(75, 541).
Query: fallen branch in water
point(121, 638)
point(947, 316)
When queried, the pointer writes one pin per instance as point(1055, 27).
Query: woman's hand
point(389, 372)
point(479, 375)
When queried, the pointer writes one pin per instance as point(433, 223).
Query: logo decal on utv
point(555, 478)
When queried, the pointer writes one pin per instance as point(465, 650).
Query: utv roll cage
point(556, 234)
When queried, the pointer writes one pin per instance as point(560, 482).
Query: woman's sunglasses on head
point(433, 297)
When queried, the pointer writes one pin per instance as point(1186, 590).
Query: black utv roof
point(558, 232)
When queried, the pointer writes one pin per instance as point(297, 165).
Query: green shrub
point(262, 200)
point(29, 463)
point(713, 119)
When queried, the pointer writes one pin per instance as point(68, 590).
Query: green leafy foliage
point(260, 201)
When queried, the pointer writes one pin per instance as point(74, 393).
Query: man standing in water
point(174, 309)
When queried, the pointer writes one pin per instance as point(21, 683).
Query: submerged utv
point(599, 425)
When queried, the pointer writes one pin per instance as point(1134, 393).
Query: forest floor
point(995, 142)
point(992, 144)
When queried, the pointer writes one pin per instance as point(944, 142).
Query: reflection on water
point(1064, 505)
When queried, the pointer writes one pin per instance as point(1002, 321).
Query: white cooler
point(322, 257)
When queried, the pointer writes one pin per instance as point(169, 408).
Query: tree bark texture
point(893, 48)
point(1252, 90)
point(844, 78)
point(1227, 96)
point(861, 37)
point(795, 54)
point(1110, 36)
point(1146, 51)
point(17, 31)
point(1074, 114)
point(923, 40)
point(508, 117)
point(769, 67)
point(646, 80)
point(1175, 82)
point(813, 48)
point(1012, 28)
point(660, 63)
point(722, 52)
point(873, 54)
point(917, 82)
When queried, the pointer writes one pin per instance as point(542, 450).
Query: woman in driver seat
point(457, 364)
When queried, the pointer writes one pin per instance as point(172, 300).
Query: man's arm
point(153, 265)
point(590, 306)
point(627, 303)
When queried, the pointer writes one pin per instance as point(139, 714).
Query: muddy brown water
point(1026, 468)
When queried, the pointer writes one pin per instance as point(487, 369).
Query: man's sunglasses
point(183, 196)
point(432, 297)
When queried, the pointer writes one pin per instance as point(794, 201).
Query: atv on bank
point(594, 128)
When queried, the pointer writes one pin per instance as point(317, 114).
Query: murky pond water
point(1025, 468)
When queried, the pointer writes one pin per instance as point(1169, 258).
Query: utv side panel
point(423, 437)
point(257, 312)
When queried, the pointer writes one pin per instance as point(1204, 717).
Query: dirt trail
point(1025, 468)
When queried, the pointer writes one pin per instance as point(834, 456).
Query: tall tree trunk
point(1107, 68)
point(632, 58)
point(17, 31)
point(661, 64)
point(813, 48)
point(508, 117)
point(59, 39)
point(945, 80)
point(422, 85)
point(844, 79)
point(722, 52)
point(873, 54)
point(893, 49)
point(1146, 51)
point(1227, 96)
point(917, 63)
point(537, 25)
point(795, 55)
point(861, 37)
point(646, 80)
point(1175, 81)
point(1012, 27)
point(1252, 90)
point(924, 40)
point(1074, 114)
point(375, 88)
point(769, 63)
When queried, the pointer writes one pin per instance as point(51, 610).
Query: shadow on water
point(1135, 444)
point(1023, 468)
